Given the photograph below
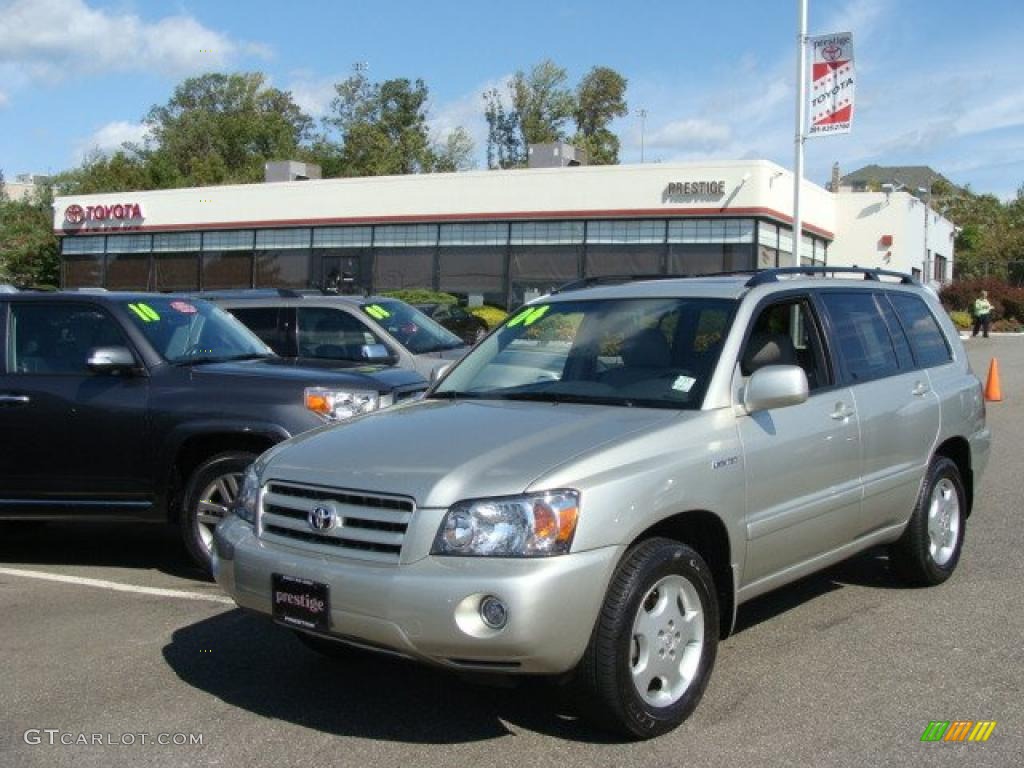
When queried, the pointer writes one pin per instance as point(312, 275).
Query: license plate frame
point(299, 602)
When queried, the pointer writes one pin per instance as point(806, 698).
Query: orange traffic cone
point(993, 392)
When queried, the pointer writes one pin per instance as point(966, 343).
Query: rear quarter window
point(927, 341)
point(858, 330)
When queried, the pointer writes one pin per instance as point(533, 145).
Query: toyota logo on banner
point(74, 214)
point(321, 518)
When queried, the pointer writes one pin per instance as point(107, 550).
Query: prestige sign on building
point(832, 84)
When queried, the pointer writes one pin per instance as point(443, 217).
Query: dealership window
point(128, 262)
point(475, 274)
point(176, 261)
point(283, 258)
point(624, 247)
point(227, 259)
point(538, 269)
point(397, 268)
point(767, 245)
point(698, 259)
point(83, 261)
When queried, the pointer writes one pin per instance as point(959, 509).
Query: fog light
point(493, 612)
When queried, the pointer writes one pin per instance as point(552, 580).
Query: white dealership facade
point(498, 237)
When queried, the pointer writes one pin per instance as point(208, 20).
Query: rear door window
point(333, 334)
point(269, 323)
point(866, 350)
point(926, 338)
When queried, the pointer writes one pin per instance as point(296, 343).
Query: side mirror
point(111, 360)
point(437, 373)
point(775, 386)
point(374, 352)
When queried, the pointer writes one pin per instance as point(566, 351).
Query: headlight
point(533, 525)
point(338, 405)
point(248, 496)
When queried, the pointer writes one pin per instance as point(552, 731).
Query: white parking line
point(117, 587)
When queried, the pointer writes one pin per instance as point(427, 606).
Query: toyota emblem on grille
point(321, 518)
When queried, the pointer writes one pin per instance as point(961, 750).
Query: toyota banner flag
point(830, 98)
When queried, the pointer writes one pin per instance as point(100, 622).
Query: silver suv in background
point(344, 331)
point(593, 490)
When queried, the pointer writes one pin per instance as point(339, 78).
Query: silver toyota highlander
point(593, 490)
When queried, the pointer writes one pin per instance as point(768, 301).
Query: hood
point(441, 451)
point(276, 369)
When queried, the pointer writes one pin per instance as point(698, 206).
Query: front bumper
point(427, 610)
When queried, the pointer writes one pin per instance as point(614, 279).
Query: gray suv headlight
point(532, 525)
point(248, 496)
point(338, 405)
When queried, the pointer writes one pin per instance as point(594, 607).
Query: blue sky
point(938, 80)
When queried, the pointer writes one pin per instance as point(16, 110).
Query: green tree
point(219, 128)
point(543, 102)
point(600, 98)
point(456, 153)
point(504, 145)
point(382, 126)
point(28, 247)
point(539, 106)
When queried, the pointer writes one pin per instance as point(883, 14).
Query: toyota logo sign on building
point(74, 214)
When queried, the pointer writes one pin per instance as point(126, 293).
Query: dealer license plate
point(300, 602)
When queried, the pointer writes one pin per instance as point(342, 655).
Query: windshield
point(188, 331)
point(657, 353)
point(411, 328)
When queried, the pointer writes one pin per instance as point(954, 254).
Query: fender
point(165, 469)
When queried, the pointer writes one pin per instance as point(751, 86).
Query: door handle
point(842, 412)
point(920, 389)
point(8, 401)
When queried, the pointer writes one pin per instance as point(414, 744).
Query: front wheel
point(929, 549)
point(209, 493)
point(653, 648)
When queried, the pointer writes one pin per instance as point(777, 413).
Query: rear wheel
point(209, 493)
point(929, 550)
point(653, 648)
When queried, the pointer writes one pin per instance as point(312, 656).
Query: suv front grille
point(366, 526)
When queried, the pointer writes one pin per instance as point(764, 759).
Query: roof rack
point(589, 282)
point(772, 275)
point(256, 293)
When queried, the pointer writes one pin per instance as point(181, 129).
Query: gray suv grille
point(365, 526)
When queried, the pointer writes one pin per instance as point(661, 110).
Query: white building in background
point(892, 231)
point(499, 237)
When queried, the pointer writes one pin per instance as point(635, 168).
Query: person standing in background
point(982, 311)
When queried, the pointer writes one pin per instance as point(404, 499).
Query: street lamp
point(926, 198)
point(643, 125)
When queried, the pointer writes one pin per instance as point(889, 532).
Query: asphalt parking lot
point(843, 668)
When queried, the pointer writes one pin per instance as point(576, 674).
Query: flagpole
point(798, 170)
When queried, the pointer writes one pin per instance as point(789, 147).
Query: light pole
point(643, 126)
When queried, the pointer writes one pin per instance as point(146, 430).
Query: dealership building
point(495, 237)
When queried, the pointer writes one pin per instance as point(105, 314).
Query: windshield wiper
point(452, 395)
point(204, 359)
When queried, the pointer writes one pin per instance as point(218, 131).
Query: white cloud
point(689, 134)
point(313, 95)
point(3, 99)
point(55, 40)
point(467, 112)
point(109, 138)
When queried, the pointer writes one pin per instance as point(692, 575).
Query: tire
point(329, 648)
point(660, 608)
point(209, 491)
point(928, 551)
